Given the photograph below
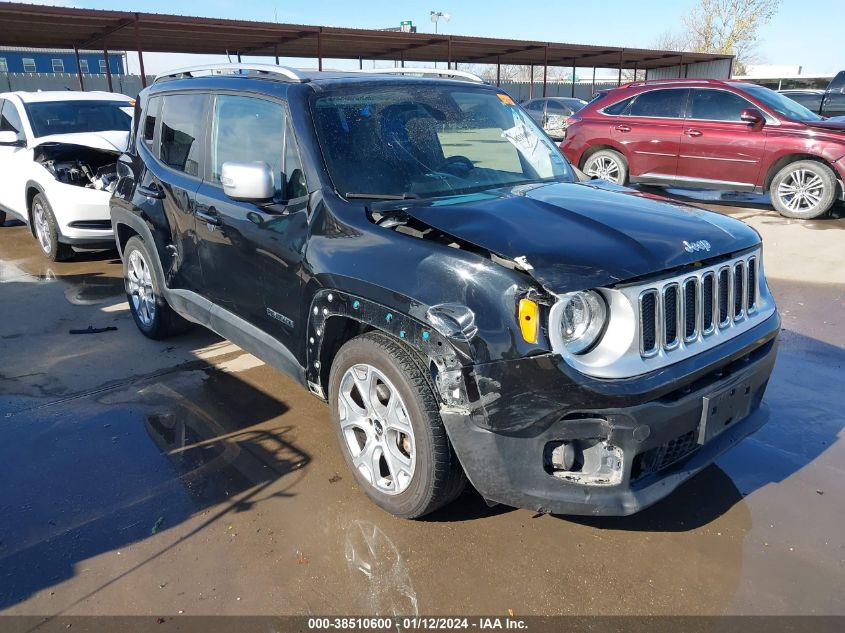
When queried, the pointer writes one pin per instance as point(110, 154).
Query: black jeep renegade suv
point(417, 253)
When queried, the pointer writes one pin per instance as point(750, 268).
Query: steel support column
point(140, 53)
point(360, 63)
point(78, 69)
point(531, 81)
point(619, 79)
point(276, 53)
point(545, 67)
point(593, 86)
point(498, 70)
point(108, 68)
point(449, 53)
point(320, 50)
point(572, 92)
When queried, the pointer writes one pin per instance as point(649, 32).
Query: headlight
point(582, 318)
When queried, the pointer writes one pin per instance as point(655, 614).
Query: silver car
point(552, 113)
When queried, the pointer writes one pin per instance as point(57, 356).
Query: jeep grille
point(676, 314)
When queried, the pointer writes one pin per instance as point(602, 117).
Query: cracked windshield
point(427, 141)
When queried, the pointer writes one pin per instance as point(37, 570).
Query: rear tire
point(607, 164)
point(46, 230)
point(149, 309)
point(392, 439)
point(804, 189)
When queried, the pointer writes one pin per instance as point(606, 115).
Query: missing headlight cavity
point(590, 461)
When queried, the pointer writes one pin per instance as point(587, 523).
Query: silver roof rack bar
point(457, 74)
point(224, 69)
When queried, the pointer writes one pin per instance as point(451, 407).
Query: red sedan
point(711, 134)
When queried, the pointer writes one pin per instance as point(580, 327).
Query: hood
point(111, 141)
point(582, 235)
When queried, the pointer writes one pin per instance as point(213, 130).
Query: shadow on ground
point(94, 475)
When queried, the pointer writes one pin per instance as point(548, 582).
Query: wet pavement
point(185, 476)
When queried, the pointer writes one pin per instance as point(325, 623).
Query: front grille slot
point(670, 316)
point(648, 323)
point(683, 311)
point(690, 309)
point(724, 285)
point(739, 290)
point(752, 284)
point(707, 296)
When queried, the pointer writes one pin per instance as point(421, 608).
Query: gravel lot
point(143, 477)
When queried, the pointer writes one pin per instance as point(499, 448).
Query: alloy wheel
point(801, 191)
point(42, 227)
point(603, 167)
point(139, 287)
point(376, 428)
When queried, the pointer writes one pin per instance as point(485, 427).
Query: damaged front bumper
point(540, 435)
point(82, 215)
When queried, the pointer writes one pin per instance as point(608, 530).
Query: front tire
point(389, 427)
point(609, 165)
point(149, 309)
point(46, 230)
point(803, 190)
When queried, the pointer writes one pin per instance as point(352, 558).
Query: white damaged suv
point(58, 154)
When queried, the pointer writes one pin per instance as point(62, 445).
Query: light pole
point(435, 17)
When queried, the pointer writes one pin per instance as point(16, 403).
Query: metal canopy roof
point(62, 27)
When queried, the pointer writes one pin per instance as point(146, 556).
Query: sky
point(803, 32)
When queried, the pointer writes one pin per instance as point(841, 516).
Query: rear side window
point(182, 129)
point(555, 107)
point(659, 103)
point(617, 108)
point(536, 106)
point(717, 105)
point(151, 116)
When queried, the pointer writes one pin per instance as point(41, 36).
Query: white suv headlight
point(581, 319)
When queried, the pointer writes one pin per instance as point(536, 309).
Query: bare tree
point(722, 26)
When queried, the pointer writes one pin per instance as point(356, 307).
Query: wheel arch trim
point(443, 358)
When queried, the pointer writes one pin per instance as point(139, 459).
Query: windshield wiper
point(354, 195)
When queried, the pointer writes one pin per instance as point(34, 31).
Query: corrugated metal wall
point(583, 90)
point(716, 69)
point(126, 84)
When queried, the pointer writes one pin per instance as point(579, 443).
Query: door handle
point(209, 216)
point(693, 132)
point(152, 191)
point(623, 128)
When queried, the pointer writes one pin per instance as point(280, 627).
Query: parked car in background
point(58, 154)
point(809, 98)
point(827, 103)
point(419, 254)
point(552, 113)
point(712, 134)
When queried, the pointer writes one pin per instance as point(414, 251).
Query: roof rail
point(457, 74)
point(673, 80)
point(233, 69)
